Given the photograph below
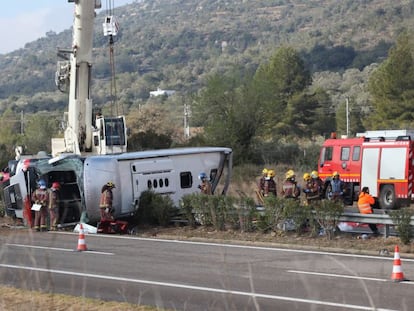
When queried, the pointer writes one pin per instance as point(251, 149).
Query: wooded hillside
point(181, 44)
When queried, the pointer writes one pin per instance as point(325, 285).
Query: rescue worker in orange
point(54, 203)
point(290, 189)
point(365, 202)
point(270, 187)
point(105, 204)
point(205, 185)
point(41, 196)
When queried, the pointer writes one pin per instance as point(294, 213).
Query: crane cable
point(114, 104)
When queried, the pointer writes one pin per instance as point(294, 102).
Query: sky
point(23, 21)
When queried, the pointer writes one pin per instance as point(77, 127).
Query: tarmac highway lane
point(185, 275)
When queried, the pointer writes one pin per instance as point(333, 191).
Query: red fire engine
point(380, 160)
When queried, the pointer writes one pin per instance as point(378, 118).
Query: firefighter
point(306, 186)
point(270, 184)
point(337, 188)
point(41, 197)
point(205, 185)
point(54, 202)
point(290, 189)
point(365, 202)
point(105, 204)
point(261, 185)
point(314, 188)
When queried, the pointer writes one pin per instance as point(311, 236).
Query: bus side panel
point(97, 172)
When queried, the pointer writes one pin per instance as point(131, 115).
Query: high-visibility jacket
point(365, 201)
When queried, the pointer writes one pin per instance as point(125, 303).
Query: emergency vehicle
point(381, 160)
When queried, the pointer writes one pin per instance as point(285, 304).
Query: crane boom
point(82, 135)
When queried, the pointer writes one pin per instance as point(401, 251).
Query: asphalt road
point(202, 276)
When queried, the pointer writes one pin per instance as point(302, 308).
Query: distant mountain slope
point(176, 43)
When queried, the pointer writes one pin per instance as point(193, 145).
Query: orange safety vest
point(365, 201)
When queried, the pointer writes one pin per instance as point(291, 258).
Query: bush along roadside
point(241, 213)
point(401, 219)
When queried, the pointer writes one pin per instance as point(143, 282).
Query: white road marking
point(346, 276)
point(57, 249)
point(199, 288)
point(338, 275)
point(251, 247)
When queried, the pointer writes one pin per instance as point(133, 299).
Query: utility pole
point(21, 122)
point(347, 117)
point(186, 121)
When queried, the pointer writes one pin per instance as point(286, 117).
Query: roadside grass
point(13, 299)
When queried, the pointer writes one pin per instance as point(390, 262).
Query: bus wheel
point(387, 199)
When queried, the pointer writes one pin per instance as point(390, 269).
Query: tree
point(309, 114)
point(228, 111)
point(39, 131)
point(392, 88)
point(290, 109)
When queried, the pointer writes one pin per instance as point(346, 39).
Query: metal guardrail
point(383, 219)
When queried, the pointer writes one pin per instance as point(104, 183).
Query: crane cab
point(110, 135)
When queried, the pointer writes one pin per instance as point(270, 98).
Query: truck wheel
point(387, 199)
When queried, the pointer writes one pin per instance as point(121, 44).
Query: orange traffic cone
point(81, 241)
point(397, 274)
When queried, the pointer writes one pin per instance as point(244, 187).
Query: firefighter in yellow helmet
point(307, 183)
point(270, 184)
point(105, 203)
point(314, 187)
point(336, 188)
point(290, 189)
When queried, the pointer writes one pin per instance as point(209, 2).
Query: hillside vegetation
point(182, 44)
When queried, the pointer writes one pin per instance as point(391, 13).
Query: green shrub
point(154, 209)
point(272, 215)
point(326, 214)
point(242, 213)
point(299, 214)
point(402, 218)
point(187, 209)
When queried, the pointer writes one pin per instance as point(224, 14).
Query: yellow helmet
point(314, 174)
point(335, 174)
point(289, 174)
point(110, 184)
point(265, 171)
point(271, 173)
point(306, 176)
